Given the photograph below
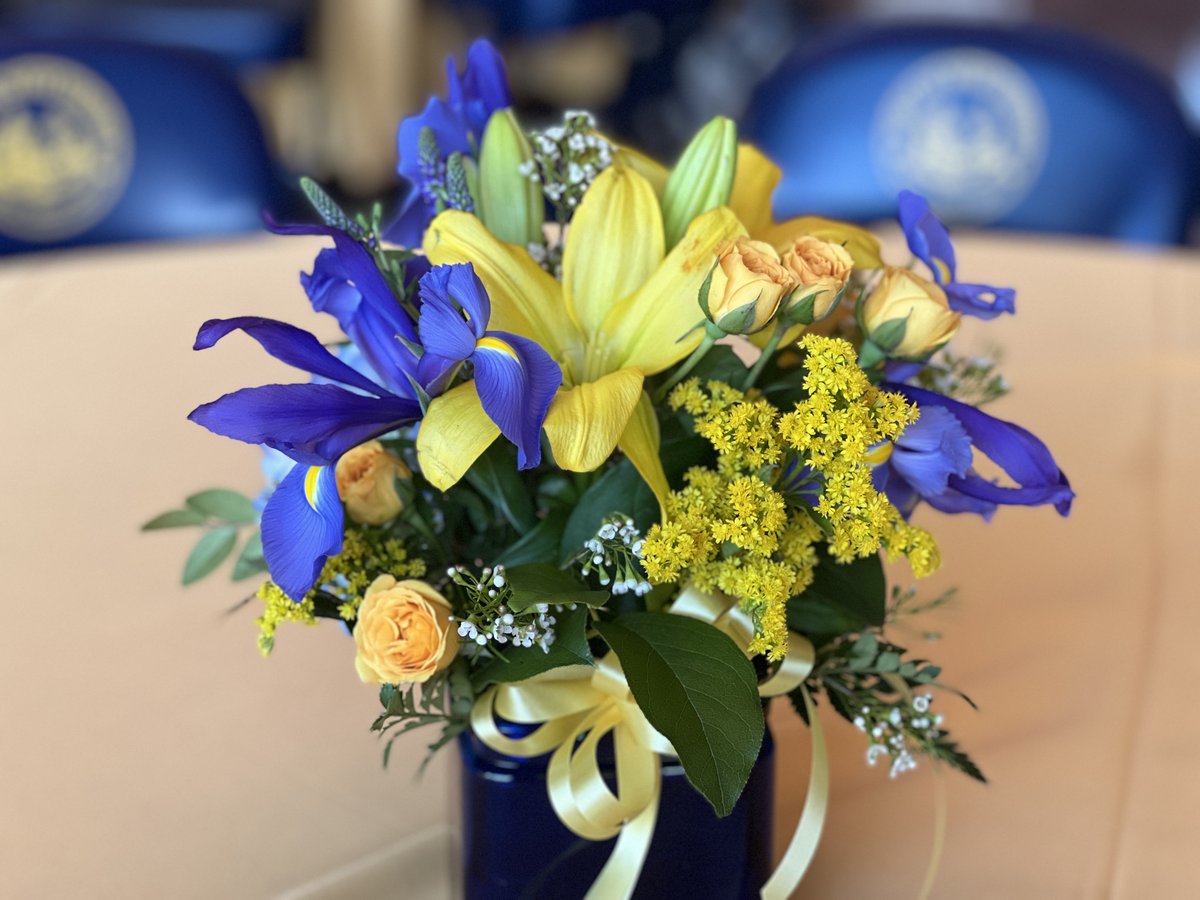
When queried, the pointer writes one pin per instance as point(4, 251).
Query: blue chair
point(104, 142)
point(1016, 128)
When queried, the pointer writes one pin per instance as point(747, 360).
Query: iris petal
point(981, 300)
point(927, 237)
point(455, 311)
point(1018, 452)
point(311, 423)
point(288, 344)
point(931, 450)
point(301, 528)
point(516, 380)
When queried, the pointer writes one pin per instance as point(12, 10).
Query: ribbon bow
point(574, 702)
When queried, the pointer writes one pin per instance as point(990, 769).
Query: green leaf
point(226, 505)
point(537, 546)
point(540, 583)
point(495, 476)
point(176, 518)
point(210, 551)
point(250, 561)
point(698, 689)
point(843, 597)
point(619, 490)
point(570, 648)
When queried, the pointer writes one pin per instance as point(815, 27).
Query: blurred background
point(146, 749)
point(139, 119)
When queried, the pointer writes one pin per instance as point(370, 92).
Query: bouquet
point(607, 451)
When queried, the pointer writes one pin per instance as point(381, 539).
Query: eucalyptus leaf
point(226, 505)
point(540, 583)
point(210, 551)
point(570, 648)
point(176, 518)
point(697, 688)
point(250, 561)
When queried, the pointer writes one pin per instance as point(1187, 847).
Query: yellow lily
point(621, 312)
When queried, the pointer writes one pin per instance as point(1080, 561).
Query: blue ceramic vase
point(515, 848)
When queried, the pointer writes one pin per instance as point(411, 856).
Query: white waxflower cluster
point(566, 160)
point(893, 729)
point(970, 379)
point(615, 555)
point(490, 619)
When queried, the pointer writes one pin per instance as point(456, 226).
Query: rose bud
point(745, 288)
point(366, 482)
point(907, 316)
point(821, 269)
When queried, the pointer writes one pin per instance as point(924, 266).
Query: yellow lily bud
point(702, 179)
point(907, 316)
point(366, 481)
point(746, 286)
point(821, 269)
point(510, 201)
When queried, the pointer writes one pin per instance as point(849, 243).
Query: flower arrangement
point(607, 450)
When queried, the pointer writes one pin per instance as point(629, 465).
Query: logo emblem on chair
point(965, 127)
point(66, 148)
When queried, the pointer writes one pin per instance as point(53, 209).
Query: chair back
point(108, 141)
point(1018, 128)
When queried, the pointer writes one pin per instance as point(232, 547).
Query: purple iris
point(456, 125)
point(516, 379)
point(315, 423)
point(929, 241)
point(931, 461)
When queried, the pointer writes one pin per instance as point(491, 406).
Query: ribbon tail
point(620, 874)
point(939, 833)
point(803, 847)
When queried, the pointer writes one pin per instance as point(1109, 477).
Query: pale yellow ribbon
point(574, 702)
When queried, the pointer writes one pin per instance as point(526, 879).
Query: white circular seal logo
point(66, 148)
point(965, 127)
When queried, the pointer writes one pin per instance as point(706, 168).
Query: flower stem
point(683, 370)
point(768, 351)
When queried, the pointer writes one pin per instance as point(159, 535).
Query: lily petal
point(649, 168)
point(311, 423)
point(585, 422)
point(862, 246)
point(525, 299)
point(301, 528)
point(516, 380)
point(614, 244)
point(647, 329)
point(754, 181)
point(289, 344)
point(641, 441)
point(454, 432)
